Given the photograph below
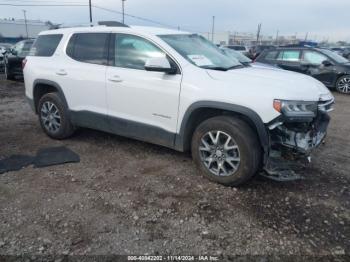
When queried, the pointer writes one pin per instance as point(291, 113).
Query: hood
point(280, 84)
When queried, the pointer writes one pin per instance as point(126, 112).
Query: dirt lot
point(129, 197)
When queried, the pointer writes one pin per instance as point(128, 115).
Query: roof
point(136, 29)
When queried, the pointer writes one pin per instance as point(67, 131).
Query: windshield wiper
point(220, 68)
point(235, 67)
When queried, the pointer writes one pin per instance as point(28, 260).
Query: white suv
point(178, 90)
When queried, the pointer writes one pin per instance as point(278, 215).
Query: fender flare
point(248, 113)
point(49, 83)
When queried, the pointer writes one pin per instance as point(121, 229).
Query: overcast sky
point(321, 18)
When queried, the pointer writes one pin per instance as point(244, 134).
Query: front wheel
point(343, 84)
point(226, 150)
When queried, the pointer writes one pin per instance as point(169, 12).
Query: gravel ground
point(129, 197)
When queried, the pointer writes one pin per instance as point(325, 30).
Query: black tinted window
point(89, 47)
point(271, 55)
point(45, 45)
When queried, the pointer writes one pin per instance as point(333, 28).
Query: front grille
point(326, 106)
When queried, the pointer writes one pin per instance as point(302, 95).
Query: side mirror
point(159, 64)
point(327, 63)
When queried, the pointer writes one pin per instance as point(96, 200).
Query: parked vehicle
point(243, 59)
point(3, 49)
point(14, 57)
point(239, 48)
point(178, 90)
point(331, 69)
point(255, 51)
point(344, 51)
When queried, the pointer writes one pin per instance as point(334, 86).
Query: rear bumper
point(30, 101)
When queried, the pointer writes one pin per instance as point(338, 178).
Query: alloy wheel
point(344, 85)
point(219, 153)
point(50, 117)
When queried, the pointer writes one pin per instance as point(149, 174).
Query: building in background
point(13, 30)
point(249, 39)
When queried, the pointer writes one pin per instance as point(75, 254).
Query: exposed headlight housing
point(295, 110)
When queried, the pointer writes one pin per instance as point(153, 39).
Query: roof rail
point(112, 24)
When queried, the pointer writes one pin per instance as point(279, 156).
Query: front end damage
point(294, 135)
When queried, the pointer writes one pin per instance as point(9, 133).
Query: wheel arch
point(200, 111)
point(42, 87)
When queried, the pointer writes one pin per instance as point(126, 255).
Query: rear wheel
point(226, 150)
point(343, 84)
point(54, 117)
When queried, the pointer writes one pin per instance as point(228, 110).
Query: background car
point(244, 59)
point(328, 67)
point(240, 48)
point(14, 57)
point(255, 51)
point(3, 49)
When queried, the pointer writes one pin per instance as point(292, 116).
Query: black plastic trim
point(49, 83)
point(30, 101)
point(180, 143)
point(123, 127)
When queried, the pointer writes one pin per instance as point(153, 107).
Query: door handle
point(115, 79)
point(61, 72)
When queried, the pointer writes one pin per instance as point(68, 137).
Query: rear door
point(81, 73)
point(289, 60)
point(141, 104)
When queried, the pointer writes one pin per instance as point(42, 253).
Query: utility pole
point(258, 33)
point(277, 37)
point(123, 10)
point(90, 9)
point(306, 36)
point(212, 29)
point(25, 21)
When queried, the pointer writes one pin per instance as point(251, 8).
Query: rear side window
point(289, 55)
point(45, 45)
point(89, 48)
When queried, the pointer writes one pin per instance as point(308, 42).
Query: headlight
point(296, 109)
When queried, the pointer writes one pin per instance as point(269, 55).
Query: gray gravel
point(129, 197)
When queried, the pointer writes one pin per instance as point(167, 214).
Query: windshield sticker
point(200, 60)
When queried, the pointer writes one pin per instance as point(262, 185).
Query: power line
point(43, 5)
point(95, 6)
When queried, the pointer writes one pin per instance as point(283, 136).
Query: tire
point(54, 120)
point(242, 136)
point(8, 75)
point(343, 84)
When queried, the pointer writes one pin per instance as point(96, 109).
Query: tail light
point(24, 61)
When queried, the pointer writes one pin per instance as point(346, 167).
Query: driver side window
point(133, 51)
point(313, 58)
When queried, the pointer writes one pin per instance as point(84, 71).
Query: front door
point(141, 104)
point(313, 60)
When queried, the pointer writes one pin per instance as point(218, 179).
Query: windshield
point(236, 55)
point(337, 58)
point(200, 52)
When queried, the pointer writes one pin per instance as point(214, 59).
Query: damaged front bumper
point(294, 138)
point(300, 137)
point(300, 134)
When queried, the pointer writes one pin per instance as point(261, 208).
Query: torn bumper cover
point(293, 136)
point(300, 134)
point(300, 137)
